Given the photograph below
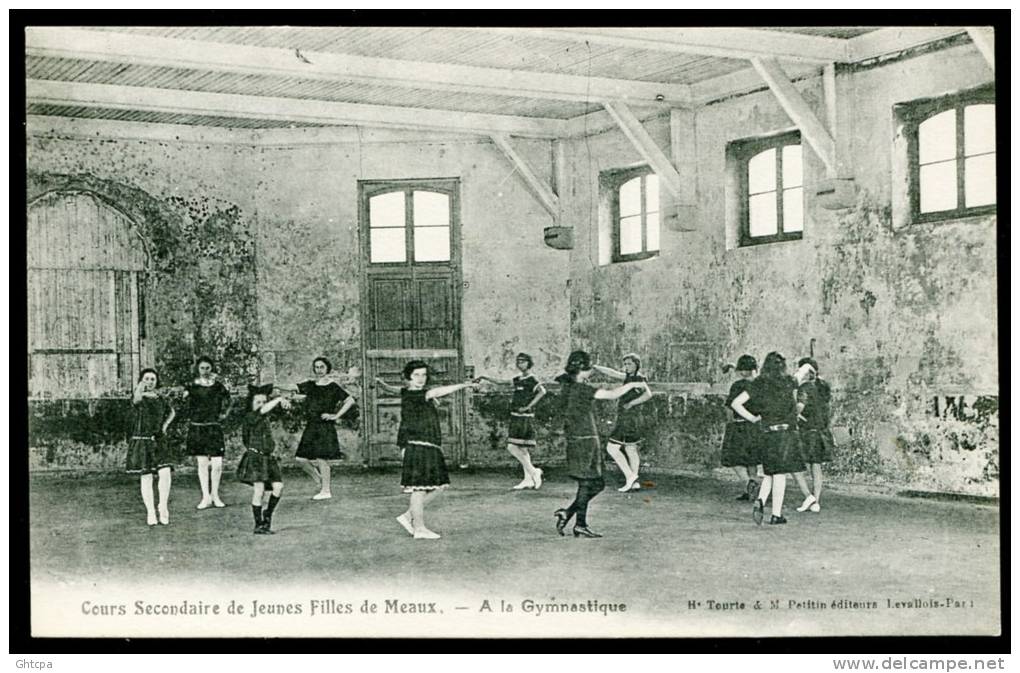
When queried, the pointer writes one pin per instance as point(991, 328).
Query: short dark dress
point(742, 439)
point(205, 404)
point(629, 427)
point(774, 401)
point(319, 440)
point(420, 438)
point(522, 429)
point(815, 436)
point(147, 450)
point(258, 464)
point(585, 457)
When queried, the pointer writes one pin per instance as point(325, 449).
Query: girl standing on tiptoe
point(628, 432)
point(741, 447)
point(325, 402)
point(773, 396)
point(585, 459)
point(147, 451)
point(208, 406)
point(259, 468)
point(528, 391)
point(424, 474)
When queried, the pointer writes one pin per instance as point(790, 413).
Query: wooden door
point(85, 328)
point(410, 303)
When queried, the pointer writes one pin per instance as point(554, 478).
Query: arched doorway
point(85, 309)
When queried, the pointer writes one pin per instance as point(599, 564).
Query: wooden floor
point(684, 557)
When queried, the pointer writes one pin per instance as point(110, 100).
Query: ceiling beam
point(285, 109)
point(745, 81)
point(646, 147)
point(889, 40)
point(722, 42)
point(539, 188)
point(798, 110)
point(114, 47)
point(984, 40)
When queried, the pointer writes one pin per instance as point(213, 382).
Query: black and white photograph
point(493, 331)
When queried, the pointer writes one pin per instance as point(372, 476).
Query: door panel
point(410, 309)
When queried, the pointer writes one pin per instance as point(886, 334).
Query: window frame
point(919, 111)
point(612, 181)
point(745, 150)
point(408, 188)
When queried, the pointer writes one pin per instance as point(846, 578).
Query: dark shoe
point(758, 513)
point(562, 518)
point(777, 520)
point(584, 531)
point(267, 522)
point(743, 496)
point(261, 530)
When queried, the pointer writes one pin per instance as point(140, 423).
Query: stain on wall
point(894, 315)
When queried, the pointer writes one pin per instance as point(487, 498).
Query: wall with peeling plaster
point(255, 262)
point(897, 316)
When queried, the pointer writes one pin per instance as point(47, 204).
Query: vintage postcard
point(448, 331)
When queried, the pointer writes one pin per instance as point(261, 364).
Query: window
point(634, 197)
point(409, 224)
point(771, 188)
point(951, 155)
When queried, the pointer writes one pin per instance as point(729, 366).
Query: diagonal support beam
point(650, 152)
point(541, 190)
point(984, 40)
point(797, 108)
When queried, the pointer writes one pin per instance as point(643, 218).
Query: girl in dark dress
point(208, 406)
point(585, 459)
point(628, 432)
point(424, 474)
point(773, 397)
point(259, 468)
point(325, 402)
point(741, 447)
point(814, 398)
point(147, 451)
point(528, 391)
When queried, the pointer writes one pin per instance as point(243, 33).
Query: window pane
point(630, 198)
point(793, 209)
point(979, 174)
point(386, 210)
point(652, 193)
point(630, 235)
point(761, 172)
point(978, 129)
point(793, 172)
point(763, 214)
point(431, 209)
point(387, 245)
point(936, 138)
point(652, 233)
point(938, 187)
point(431, 244)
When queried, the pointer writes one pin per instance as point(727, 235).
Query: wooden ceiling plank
point(285, 109)
point(242, 59)
point(721, 42)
